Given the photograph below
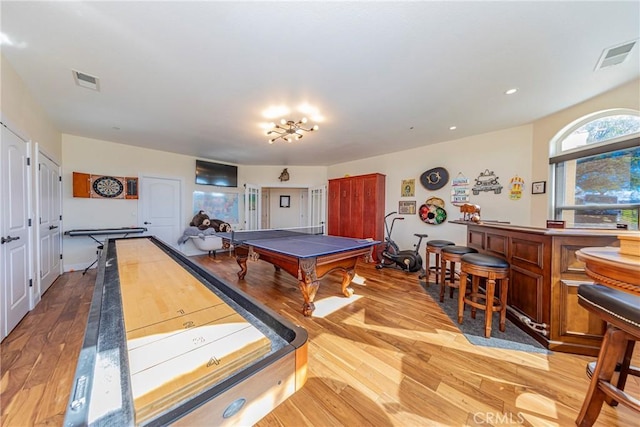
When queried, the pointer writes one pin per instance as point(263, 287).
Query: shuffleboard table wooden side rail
point(103, 367)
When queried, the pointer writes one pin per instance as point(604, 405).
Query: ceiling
point(195, 77)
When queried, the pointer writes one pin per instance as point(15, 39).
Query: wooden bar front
point(167, 342)
point(544, 279)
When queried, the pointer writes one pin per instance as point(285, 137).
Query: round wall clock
point(108, 186)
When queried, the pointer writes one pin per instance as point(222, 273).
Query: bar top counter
point(544, 279)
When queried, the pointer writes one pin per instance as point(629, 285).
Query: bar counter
point(544, 279)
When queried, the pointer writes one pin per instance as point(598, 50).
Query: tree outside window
point(597, 173)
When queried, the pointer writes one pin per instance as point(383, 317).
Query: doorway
point(161, 208)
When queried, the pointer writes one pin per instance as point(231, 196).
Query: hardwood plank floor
point(388, 356)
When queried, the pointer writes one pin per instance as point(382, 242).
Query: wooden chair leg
point(614, 344)
point(427, 270)
point(488, 313)
point(452, 277)
point(504, 287)
point(461, 292)
point(475, 286)
point(625, 365)
point(443, 283)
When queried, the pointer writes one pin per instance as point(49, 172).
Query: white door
point(252, 207)
point(161, 207)
point(14, 230)
point(265, 208)
point(49, 218)
point(318, 206)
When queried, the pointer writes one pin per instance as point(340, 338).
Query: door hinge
point(29, 222)
point(28, 161)
point(31, 283)
point(60, 217)
point(60, 178)
point(60, 256)
point(40, 166)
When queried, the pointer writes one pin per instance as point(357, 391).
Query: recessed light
point(453, 127)
point(511, 91)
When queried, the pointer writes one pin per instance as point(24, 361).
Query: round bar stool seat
point(452, 254)
point(492, 269)
point(434, 247)
point(620, 310)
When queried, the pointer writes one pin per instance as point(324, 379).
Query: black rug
point(473, 329)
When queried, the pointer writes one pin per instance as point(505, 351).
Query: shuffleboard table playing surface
point(191, 345)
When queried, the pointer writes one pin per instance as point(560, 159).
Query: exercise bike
point(390, 255)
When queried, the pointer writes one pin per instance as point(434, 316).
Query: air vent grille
point(615, 55)
point(86, 80)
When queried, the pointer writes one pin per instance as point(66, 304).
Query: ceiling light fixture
point(511, 91)
point(289, 130)
point(453, 127)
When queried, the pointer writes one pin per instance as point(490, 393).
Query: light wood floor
point(387, 356)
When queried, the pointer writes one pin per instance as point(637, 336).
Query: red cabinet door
point(345, 208)
point(333, 211)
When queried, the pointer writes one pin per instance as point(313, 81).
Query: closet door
point(373, 201)
point(345, 208)
point(15, 250)
point(358, 207)
point(333, 228)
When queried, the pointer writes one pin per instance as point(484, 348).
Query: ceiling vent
point(86, 80)
point(615, 55)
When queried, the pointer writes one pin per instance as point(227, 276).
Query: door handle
point(8, 239)
point(147, 223)
point(53, 227)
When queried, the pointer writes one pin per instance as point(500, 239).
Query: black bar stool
point(621, 312)
point(434, 247)
point(491, 269)
point(452, 254)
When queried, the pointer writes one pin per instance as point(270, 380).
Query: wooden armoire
point(356, 206)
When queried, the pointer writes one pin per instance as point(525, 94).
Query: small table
point(607, 266)
point(305, 256)
point(92, 232)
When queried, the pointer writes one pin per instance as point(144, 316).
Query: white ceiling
point(195, 77)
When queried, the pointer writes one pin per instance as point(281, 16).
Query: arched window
point(596, 171)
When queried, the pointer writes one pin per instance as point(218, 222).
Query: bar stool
point(453, 254)
point(491, 269)
point(620, 310)
point(434, 247)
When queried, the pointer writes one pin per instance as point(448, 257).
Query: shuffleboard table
point(305, 253)
point(169, 343)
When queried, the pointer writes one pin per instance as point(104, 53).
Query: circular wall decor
point(434, 179)
point(432, 214)
point(107, 186)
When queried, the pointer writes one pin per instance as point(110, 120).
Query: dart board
point(108, 186)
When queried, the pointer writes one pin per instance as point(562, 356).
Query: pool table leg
point(241, 259)
point(308, 283)
point(347, 277)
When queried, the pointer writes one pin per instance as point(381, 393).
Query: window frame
point(558, 156)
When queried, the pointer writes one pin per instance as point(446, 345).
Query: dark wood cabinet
point(356, 206)
point(544, 280)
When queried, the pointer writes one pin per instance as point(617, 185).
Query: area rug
point(473, 329)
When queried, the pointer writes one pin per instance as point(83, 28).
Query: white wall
point(293, 216)
point(24, 116)
point(625, 96)
point(99, 157)
point(506, 152)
